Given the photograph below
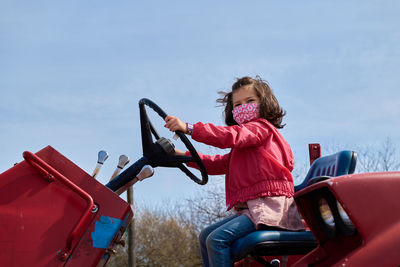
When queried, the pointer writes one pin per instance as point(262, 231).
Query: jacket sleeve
point(249, 134)
point(214, 165)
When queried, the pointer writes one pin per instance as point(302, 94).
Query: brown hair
point(269, 106)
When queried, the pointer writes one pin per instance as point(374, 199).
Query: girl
point(258, 181)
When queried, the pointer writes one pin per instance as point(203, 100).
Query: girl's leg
point(219, 241)
point(205, 233)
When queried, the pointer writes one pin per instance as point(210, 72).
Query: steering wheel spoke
point(182, 159)
point(153, 131)
point(172, 161)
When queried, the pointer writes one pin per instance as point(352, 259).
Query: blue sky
point(72, 73)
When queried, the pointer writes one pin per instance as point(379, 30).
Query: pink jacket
point(259, 163)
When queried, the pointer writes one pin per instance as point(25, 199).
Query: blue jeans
point(216, 239)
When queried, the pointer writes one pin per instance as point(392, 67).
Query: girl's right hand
point(175, 124)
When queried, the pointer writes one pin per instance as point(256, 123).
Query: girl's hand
point(175, 124)
point(179, 152)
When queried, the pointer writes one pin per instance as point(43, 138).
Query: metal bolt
point(62, 255)
point(95, 208)
point(111, 251)
point(275, 263)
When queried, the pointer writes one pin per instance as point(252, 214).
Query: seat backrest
point(340, 163)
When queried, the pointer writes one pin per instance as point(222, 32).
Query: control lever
point(146, 172)
point(101, 158)
point(122, 162)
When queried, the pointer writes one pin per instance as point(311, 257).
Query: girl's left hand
point(175, 124)
point(179, 152)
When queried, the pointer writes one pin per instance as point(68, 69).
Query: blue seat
point(341, 163)
point(280, 242)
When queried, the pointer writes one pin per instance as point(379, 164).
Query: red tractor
point(52, 213)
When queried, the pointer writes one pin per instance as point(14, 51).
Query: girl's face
point(245, 94)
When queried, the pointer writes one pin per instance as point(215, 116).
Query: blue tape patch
point(104, 231)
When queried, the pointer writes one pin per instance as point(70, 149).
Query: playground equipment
point(52, 213)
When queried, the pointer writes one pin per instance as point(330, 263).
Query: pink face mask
point(246, 112)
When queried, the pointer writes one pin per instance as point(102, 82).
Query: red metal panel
point(40, 218)
point(314, 151)
point(371, 202)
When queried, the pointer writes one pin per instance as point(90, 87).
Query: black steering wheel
point(159, 153)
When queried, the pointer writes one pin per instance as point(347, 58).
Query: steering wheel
point(159, 153)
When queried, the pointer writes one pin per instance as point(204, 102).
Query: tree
point(162, 240)
point(165, 241)
point(376, 159)
point(205, 208)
